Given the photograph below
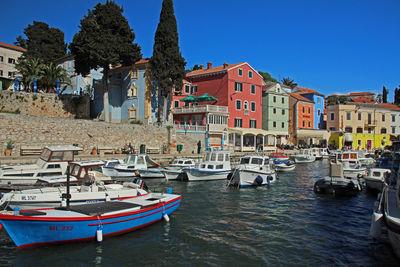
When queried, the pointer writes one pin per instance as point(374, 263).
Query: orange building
point(301, 115)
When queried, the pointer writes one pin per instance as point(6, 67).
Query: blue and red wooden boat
point(37, 227)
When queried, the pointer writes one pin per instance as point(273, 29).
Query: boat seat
point(31, 213)
point(97, 209)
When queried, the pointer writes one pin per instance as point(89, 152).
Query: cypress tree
point(105, 38)
point(168, 65)
point(384, 94)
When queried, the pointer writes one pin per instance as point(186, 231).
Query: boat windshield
point(62, 156)
point(45, 154)
point(244, 160)
point(257, 161)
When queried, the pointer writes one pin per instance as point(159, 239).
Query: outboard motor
point(141, 183)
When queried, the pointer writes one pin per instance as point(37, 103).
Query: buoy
point(169, 190)
point(166, 218)
point(99, 234)
point(16, 211)
point(376, 224)
point(107, 198)
point(63, 202)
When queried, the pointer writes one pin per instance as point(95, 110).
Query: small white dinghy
point(175, 170)
point(284, 165)
point(304, 156)
point(375, 178)
point(253, 170)
point(216, 166)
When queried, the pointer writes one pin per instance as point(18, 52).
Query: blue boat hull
point(31, 231)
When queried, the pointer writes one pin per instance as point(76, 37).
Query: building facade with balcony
point(9, 55)
point(275, 114)
point(319, 105)
point(394, 119)
point(239, 88)
point(359, 125)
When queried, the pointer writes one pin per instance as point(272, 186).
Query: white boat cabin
point(216, 160)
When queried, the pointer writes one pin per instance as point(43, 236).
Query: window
point(194, 89)
point(383, 117)
point(253, 106)
point(1, 59)
point(383, 130)
point(393, 130)
point(359, 130)
point(274, 124)
point(176, 104)
point(283, 112)
point(187, 89)
point(332, 116)
point(253, 89)
point(359, 116)
point(309, 110)
point(309, 124)
point(332, 128)
point(238, 104)
point(11, 74)
point(274, 110)
point(240, 72)
point(348, 115)
point(253, 124)
point(348, 129)
point(304, 123)
point(132, 91)
point(134, 73)
point(274, 99)
point(1, 73)
point(369, 130)
point(393, 118)
point(238, 87)
point(319, 112)
point(246, 105)
point(283, 100)
point(359, 142)
point(11, 60)
point(283, 125)
point(319, 125)
point(250, 74)
point(304, 110)
point(238, 123)
point(318, 100)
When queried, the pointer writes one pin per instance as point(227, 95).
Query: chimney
point(225, 65)
point(202, 67)
point(209, 65)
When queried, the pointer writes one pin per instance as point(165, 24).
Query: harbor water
point(282, 224)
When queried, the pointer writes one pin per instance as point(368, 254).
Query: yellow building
point(358, 125)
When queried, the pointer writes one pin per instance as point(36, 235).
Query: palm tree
point(30, 69)
point(50, 74)
point(289, 82)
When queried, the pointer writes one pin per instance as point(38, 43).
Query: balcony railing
point(190, 128)
point(200, 109)
point(370, 123)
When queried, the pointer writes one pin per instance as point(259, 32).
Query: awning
point(243, 131)
point(317, 134)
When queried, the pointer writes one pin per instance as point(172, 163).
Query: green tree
point(289, 82)
point(105, 39)
point(49, 74)
point(168, 65)
point(397, 96)
point(385, 93)
point(267, 77)
point(29, 68)
point(42, 42)
point(336, 99)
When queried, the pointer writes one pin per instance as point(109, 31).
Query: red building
point(237, 86)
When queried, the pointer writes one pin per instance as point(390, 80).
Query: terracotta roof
point(212, 70)
point(14, 47)
point(141, 61)
point(362, 99)
point(300, 97)
point(360, 94)
point(304, 90)
point(389, 106)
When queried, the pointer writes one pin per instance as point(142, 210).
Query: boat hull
point(28, 231)
point(204, 175)
point(374, 184)
point(157, 173)
point(337, 186)
point(248, 178)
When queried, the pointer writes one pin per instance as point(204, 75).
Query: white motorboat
point(134, 165)
point(52, 161)
point(215, 166)
point(375, 178)
point(353, 170)
point(324, 152)
point(253, 170)
point(355, 157)
point(336, 183)
point(304, 156)
point(90, 191)
point(284, 165)
point(316, 152)
point(175, 170)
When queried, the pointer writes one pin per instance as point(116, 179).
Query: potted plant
point(9, 147)
point(94, 151)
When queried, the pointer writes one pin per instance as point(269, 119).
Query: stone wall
point(45, 105)
point(28, 130)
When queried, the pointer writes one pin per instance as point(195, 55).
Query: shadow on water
point(282, 224)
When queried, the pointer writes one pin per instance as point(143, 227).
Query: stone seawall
point(28, 130)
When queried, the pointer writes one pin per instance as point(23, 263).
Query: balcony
point(201, 109)
point(190, 128)
point(370, 123)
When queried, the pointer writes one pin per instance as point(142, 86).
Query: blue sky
point(332, 46)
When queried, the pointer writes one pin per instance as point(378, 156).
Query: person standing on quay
point(198, 147)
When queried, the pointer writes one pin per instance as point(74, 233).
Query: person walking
point(198, 147)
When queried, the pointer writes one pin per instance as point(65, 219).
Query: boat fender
point(169, 190)
point(258, 180)
point(136, 172)
point(16, 211)
point(107, 197)
point(99, 234)
point(269, 178)
point(376, 224)
point(63, 202)
point(165, 216)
